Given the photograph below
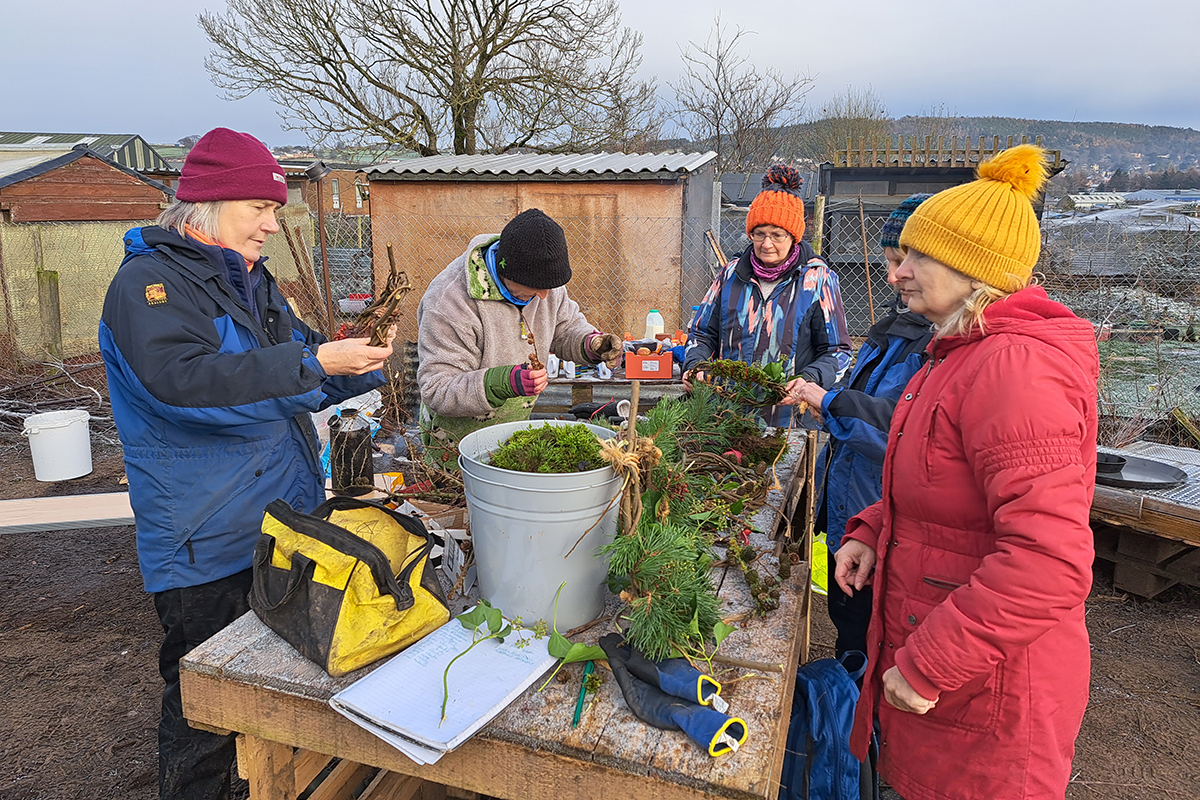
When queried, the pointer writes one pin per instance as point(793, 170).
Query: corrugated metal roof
point(42, 141)
point(540, 164)
point(14, 161)
point(127, 149)
point(22, 163)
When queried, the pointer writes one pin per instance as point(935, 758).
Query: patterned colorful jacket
point(735, 321)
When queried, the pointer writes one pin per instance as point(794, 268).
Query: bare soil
point(80, 687)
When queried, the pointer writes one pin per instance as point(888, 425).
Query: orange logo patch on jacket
point(156, 294)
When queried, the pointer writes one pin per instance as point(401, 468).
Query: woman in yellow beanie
point(778, 301)
point(980, 547)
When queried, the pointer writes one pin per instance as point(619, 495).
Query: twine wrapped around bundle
point(632, 461)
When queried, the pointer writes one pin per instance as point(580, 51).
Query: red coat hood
point(1030, 312)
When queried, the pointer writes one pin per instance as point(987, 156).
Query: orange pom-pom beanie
point(779, 202)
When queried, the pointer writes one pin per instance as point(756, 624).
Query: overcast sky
point(138, 66)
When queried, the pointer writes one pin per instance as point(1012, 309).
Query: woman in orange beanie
point(778, 301)
point(980, 547)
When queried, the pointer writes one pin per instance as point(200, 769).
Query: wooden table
point(247, 679)
point(1151, 535)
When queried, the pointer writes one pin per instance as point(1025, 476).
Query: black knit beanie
point(533, 251)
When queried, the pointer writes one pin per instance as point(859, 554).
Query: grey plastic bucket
point(523, 525)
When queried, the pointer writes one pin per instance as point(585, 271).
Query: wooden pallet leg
point(269, 769)
point(341, 782)
point(581, 393)
point(392, 786)
point(1128, 577)
point(1151, 549)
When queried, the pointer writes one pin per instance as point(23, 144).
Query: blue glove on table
point(678, 677)
point(712, 730)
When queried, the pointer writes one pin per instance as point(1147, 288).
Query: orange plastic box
point(648, 367)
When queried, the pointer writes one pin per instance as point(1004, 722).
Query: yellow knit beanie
point(986, 229)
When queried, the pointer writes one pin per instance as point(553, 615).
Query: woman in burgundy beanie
point(212, 378)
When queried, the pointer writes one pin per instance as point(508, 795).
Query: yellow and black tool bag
point(348, 584)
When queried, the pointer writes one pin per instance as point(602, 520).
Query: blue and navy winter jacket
point(802, 320)
point(212, 380)
point(858, 412)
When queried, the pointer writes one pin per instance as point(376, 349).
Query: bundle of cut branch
point(374, 321)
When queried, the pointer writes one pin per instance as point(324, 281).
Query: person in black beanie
point(477, 367)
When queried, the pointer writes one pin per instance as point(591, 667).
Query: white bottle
point(654, 324)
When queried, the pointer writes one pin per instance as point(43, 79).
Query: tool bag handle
point(318, 527)
point(301, 573)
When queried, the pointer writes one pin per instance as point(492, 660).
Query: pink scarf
point(771, 274)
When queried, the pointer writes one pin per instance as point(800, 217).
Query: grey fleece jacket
point(465, 327)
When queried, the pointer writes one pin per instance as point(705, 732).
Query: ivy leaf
point(619, 583)
point(471, 620)
point(561, 647)
point(495, 619)
point(582, 652)
point(694, 625)
point(737, 507)
point(722, 630)
point(558, 645)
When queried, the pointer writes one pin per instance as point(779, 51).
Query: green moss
point(550, 448)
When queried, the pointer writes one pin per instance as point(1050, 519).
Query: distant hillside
point(1091, 146)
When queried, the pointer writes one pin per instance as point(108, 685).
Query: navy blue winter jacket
point(857, 412)
point(212, 380)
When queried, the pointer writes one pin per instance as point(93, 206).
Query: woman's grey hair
point(201, 216)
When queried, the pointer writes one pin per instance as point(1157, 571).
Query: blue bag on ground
point(818, 764)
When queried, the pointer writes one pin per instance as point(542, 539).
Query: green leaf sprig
point(484, 616)
point(563, 648)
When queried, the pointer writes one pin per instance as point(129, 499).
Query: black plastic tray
point(1142, 473)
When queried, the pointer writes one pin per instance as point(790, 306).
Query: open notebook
point(401, 701)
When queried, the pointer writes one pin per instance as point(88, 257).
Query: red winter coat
point(984, 559)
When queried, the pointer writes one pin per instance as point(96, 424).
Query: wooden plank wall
point(86, 190)
point(624, 237)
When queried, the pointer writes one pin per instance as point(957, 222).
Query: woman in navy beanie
point(857, 412)
point(212, 378)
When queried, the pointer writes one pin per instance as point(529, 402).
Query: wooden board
point(65, 513)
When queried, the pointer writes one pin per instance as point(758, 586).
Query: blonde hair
point(203, 217)
point(970, 314)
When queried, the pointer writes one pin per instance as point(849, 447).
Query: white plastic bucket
point(526, 529)
point(60, 444)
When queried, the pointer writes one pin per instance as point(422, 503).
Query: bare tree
point(471, 75)
point(853, 114)
point(727, 102)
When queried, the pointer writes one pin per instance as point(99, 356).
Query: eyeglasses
point(776, 238)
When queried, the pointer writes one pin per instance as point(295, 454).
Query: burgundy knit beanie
point(227, 165)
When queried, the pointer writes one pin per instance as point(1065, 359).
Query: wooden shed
point(63, 214)
point(76, 185)
point(634, 223)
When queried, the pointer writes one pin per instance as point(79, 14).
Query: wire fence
point(1138, 283)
